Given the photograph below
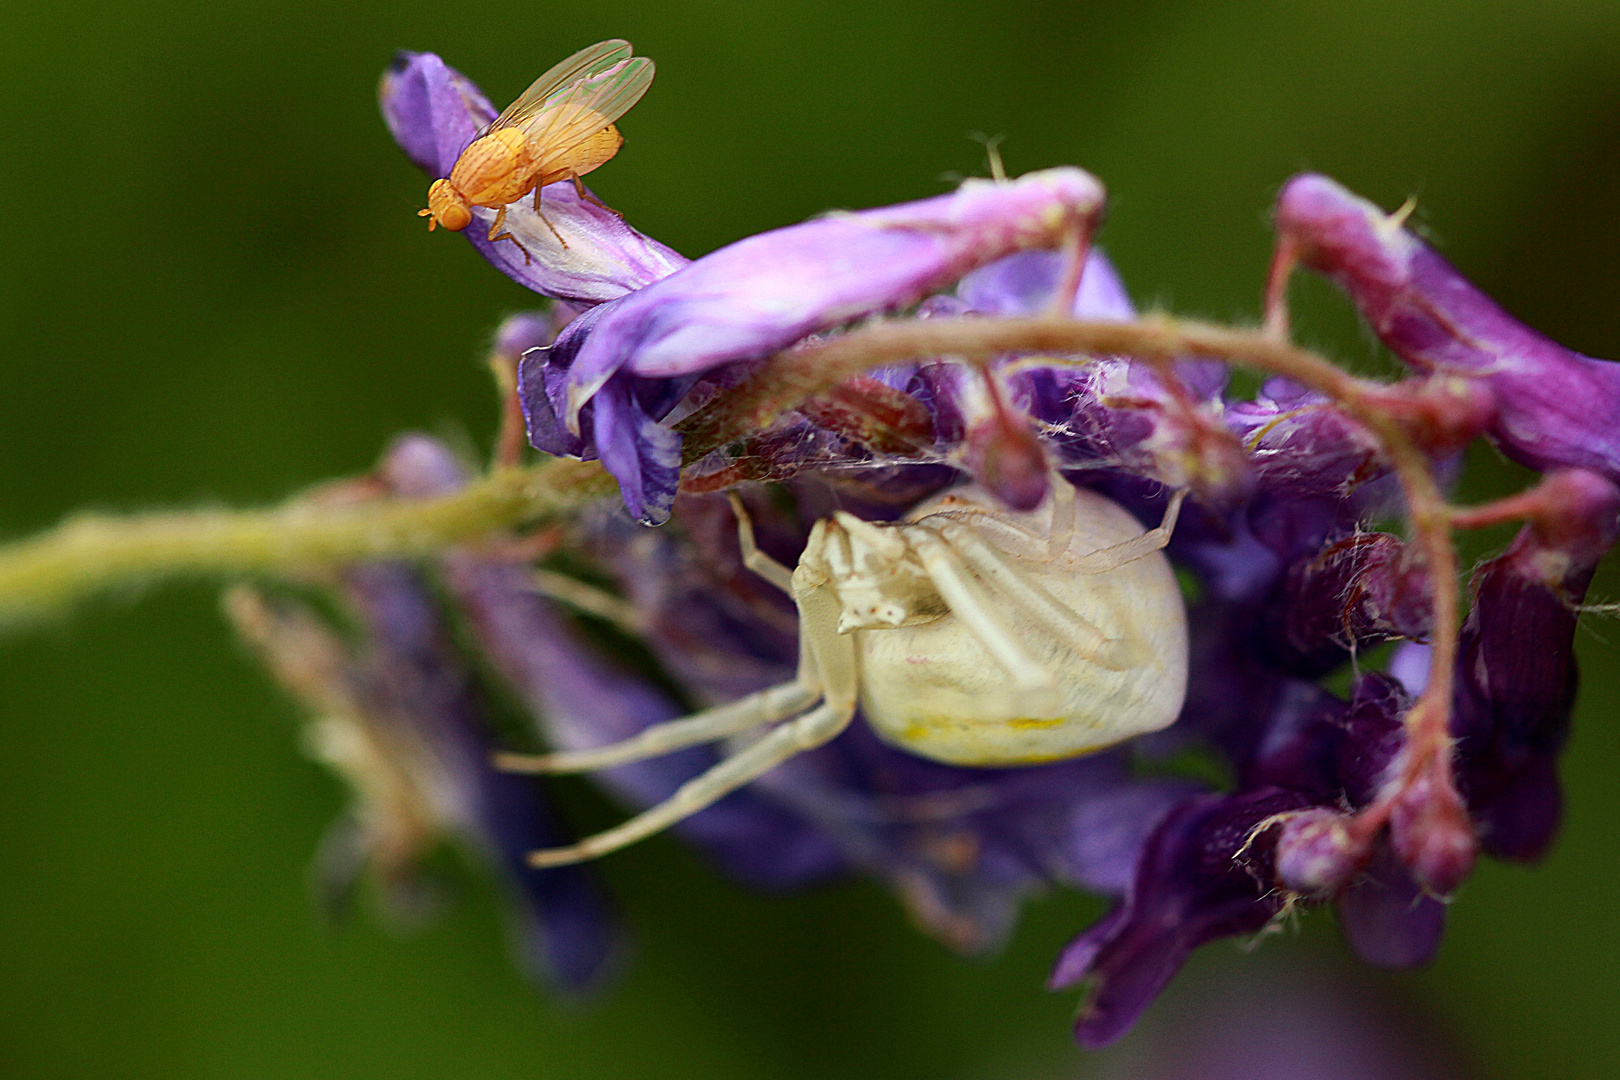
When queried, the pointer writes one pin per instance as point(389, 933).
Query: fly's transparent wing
point(589, 105)
point(582, 65)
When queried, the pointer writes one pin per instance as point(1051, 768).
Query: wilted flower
point(400, 718)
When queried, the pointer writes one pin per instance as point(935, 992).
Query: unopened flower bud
point(1516, 667)
point(1004, 455)
point(1432, 834)
point(1316, 853)
point(1356, 591)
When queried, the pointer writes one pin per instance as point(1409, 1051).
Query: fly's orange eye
point(447, 207)
point(455, 218)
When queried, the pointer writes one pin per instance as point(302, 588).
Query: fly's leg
point(541, 215)
point(586, 196)
point(496, 236)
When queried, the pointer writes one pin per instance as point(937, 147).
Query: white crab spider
point(968, 634)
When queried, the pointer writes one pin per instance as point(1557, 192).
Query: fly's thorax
point(495, 169)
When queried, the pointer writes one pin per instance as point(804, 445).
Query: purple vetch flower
point(1287, 582)
point(762, 294)
point(402, 720)
point(435, 112)
point(1553, 407)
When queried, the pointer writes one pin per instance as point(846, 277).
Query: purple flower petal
point(1516, 668)
point(1555, 407)
point(1023, 283)
point(1202, 876)
point(435, 112)
point(762, 294)
point(1387, 917)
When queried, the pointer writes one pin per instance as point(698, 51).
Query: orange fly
point(560, 129)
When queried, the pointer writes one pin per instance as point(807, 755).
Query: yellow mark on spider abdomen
point(1026, 722)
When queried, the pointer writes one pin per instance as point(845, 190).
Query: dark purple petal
point(1356, 591)
point(434, 113)
point(1387, 917)
point(1203, 875)
point(1372, 735)
point(1555, 407)
point(1301, 445)
point(1516, 669)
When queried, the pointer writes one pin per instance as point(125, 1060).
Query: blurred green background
point(215, 291)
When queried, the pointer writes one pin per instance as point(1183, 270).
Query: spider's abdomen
point(934, 690)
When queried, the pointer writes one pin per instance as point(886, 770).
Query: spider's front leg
point(832, 656)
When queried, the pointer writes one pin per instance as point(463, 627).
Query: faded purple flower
point(402, 720)
point(579, 700)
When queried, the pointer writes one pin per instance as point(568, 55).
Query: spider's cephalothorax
point(968, 634)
